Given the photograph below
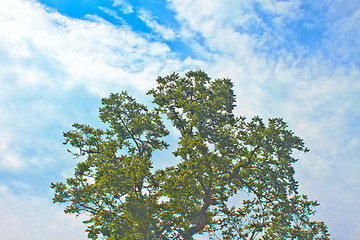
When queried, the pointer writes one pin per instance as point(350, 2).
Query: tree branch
point(208, 201)
point(236, 170)
point(131, 134)
point(201, 223)
point(259, 195)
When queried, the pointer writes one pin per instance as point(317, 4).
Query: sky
point(296, 59)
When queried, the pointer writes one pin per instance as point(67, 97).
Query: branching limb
point(236, 170)
point(131, 134)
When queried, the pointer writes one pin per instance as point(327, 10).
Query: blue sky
point(299, 60)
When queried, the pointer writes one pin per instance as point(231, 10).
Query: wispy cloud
point(343, 37)
point(165, 32)
point(9, 158)
point(124, 5)
point(112, 13)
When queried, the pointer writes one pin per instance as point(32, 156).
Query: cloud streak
point(164, 32)
point(124, 5)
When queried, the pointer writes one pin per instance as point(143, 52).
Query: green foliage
point(221, 156)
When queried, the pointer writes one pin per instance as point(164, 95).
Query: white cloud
point(25, 217)
point(165, 32)
point(124, 5)
point(49, 49)
point(9, 159)
point(111, 13)
point(343, 39)
point(290, 9)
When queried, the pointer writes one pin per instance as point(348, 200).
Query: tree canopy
point(233, 177)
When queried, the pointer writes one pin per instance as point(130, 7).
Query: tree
point(221, 159)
